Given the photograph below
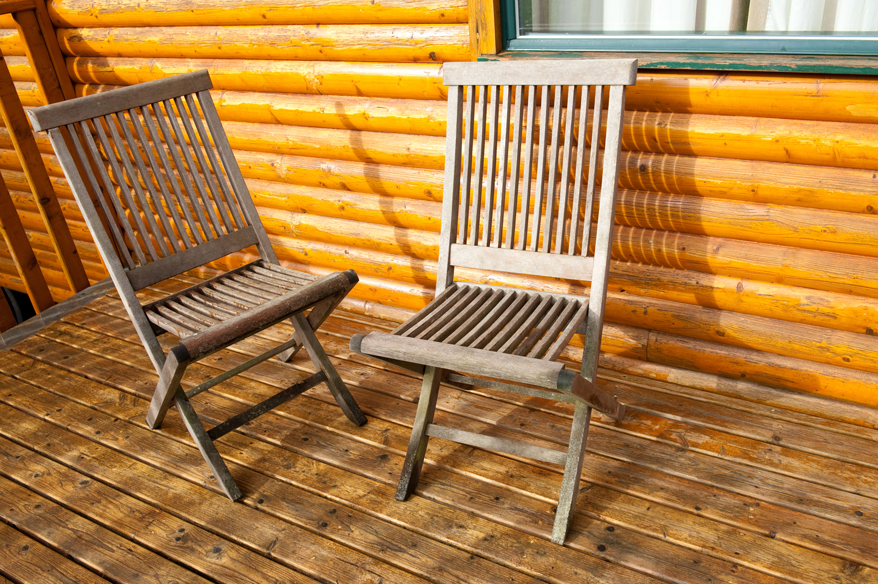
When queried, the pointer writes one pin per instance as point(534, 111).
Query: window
point(795, 27)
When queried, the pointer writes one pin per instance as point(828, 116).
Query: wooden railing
point(44, 55)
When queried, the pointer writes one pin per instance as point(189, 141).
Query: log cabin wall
point(748, 218)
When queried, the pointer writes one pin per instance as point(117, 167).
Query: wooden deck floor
point(694, 486)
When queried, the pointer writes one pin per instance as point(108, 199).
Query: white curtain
point(705, 15)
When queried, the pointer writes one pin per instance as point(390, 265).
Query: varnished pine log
point(354, 42)
point(767, 369)
point(81, 13)
point(852, 233)
point(837, 348)
point(373, 209)
point(395, 80)
point(801, 185)
point(375, 147)
point(29, 93)
point(812, 97)
point(363, 177)
point(11, 43)
point(819, 270)
point(409, 116)
point(485, 35)
point(20, 69)
point(856, 314)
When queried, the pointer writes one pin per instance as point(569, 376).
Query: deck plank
point(697, 485)
point(26, 560)
point(89, 544)
point(752, 549)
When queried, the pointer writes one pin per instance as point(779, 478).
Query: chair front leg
point(572, 473)
point(168, 386)
point(417, 450)
point(307, 338)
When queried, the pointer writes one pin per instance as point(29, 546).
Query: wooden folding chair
point(155, 160)
point(538, 222)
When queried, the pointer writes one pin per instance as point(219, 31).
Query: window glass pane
point(718, 17)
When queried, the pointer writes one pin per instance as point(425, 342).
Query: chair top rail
point(125, 98)
point(542, 72)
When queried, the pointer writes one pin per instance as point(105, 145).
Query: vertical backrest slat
point(581, 148)
point(146, 230)
point(551, 179)
point(564, 187)
point(176, 144)
point(501, 170)
point(528, 166)
point(161, 202)
point(476, 204)
point(110, 157)
point(467, 156)
point(541, 170)
point(100, 195)
point(491, 154)
point(189, 232)
point(178, 234)
point(222, 181)
point(150, 204)
point(514, 163)
point(592, 167)
point(197, 171)
point(236, 179)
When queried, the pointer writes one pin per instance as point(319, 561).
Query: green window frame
point(820, 53)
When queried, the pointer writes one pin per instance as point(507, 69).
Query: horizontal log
point(816, 187)
point(764, 368)
point(351, 145)
point(19, 68)
point(436, 43)
point(374, 209)
point(838, 348)
point(819, 270)
point(83, 13)
point(410, 116)
point(393, 80)
point(11, 44)
point(852, 233)
point(856, 314)
point(363, 177)
point(29, 93)
point(839, 144)
point(415, 243)
point(815, 97)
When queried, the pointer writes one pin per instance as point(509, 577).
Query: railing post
point(55, 87)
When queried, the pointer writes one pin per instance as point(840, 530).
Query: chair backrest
point(153, 161)
point(522, 163)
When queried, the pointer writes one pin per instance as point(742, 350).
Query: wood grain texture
point(355, 42)
point(80, 13)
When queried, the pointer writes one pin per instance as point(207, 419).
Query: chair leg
point(414, 458)
point(339, 390)
point(208, 449)
point(168, 385)
point(572, 473)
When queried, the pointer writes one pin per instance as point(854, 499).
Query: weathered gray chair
point(173, 198)
point(536, 219)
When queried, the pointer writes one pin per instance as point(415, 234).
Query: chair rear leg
point(572, 473)
point(414, 457)
point(339, 390)
point(208, 449)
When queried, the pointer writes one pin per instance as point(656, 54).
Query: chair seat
point(500, 320)
point(207, 304)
